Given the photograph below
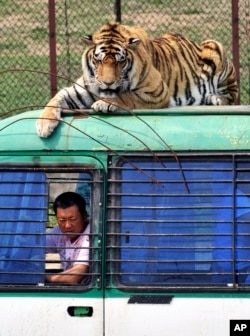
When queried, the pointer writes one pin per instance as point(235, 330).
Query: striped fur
point(124, 69)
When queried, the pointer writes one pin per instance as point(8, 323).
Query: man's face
point(71, 221)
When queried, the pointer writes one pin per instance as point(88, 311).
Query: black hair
point(69, 198)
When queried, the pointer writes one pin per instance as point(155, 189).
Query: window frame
point(114, 217)
point(95, 213)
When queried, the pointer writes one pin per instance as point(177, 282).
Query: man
point(70, 238)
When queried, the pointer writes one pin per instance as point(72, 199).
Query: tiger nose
point(108, 82)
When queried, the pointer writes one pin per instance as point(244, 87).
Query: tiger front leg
point(49, 118)
point(72, 98)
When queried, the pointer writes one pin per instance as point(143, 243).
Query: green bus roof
point(183, 129)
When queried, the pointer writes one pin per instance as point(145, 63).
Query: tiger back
point(125, 69)
point(195, 74)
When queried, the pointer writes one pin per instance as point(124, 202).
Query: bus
point(168, 200)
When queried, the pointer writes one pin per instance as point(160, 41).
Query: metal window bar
point(162, 237)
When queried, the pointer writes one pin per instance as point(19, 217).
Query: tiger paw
point(214, 100)
point(48, 121)
point(103, 106)
point(45, 127)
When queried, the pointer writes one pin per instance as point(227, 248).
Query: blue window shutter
point(23, 216)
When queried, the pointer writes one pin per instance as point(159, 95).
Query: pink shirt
point(70, 253)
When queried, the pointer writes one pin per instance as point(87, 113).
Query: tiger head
point(109, 60)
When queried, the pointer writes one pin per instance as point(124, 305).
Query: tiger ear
point(87, 39)
point(133, 42)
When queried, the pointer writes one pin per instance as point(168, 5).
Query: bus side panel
point(183, 316)
point(41, 316)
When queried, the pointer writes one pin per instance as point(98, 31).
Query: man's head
point(70, 211)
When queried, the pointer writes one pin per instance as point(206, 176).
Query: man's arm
point(74, 275)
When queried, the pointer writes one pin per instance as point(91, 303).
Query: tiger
point(124, 69)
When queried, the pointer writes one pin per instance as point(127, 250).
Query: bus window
point(167, 232)
point(26, 215)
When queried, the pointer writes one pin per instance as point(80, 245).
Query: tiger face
point(107, 66)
